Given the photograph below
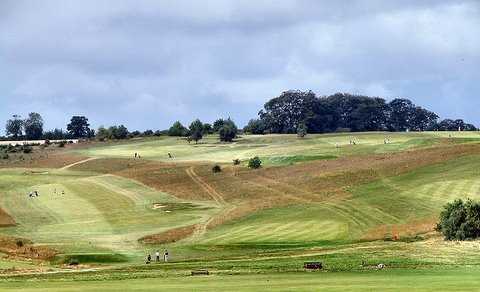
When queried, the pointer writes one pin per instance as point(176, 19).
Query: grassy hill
point(316, 198)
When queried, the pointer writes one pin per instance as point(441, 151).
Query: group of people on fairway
point(157, 257)
point(34, 194)
point(137, 155)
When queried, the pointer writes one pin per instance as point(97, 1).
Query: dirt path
point(202, 227)
point(77, 163)
point(209, 189)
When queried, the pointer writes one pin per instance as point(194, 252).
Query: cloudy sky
point(149, 63)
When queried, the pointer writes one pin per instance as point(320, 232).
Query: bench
point(200, 272)
point(312, 266)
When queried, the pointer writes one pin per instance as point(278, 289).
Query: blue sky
point(148, 63)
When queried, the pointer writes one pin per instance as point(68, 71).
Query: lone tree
point(460, 220)
point(33, 126)
point(228, 131)
point(196, 130)
point(177, 129)
point(14, 127)
point(79, 127)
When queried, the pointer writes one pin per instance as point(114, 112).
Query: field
point(322, 198)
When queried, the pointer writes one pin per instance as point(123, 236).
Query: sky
point(146, 64)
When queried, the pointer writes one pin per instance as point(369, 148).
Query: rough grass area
point(291, 148)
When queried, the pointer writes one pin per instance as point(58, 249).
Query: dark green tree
point(217, 125)
point(196, 130)
point(255, 126)
point(78, 127)
point(228, 131)
point(33, 126)
point(177, 129)
point(14, 127)
point(460, 220)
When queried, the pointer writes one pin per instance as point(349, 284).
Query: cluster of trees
point(460, 220)
point(226, 129)
point(294, 110)
point(31, 128)
point(113, 132)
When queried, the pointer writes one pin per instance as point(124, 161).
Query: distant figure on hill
point(157, 256)
point(36, 194)
point(165, 256)
point(135, 154)
point(30, 194)
point(149, 259)
point(170, 155)
point(63, 192)
point(138, 155)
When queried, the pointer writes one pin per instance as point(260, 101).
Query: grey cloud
point(148, 63)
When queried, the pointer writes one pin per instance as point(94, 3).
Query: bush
point(27, 149)
point(5, 156)
point(61, 144)
point(236, 161)
point(216, 168)
point(254, 162)
point(460, 220)
point(19, 243)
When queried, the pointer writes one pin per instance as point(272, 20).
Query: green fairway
point(80, 212)
point(275, 149)
point(412, 197)
point(460, 279)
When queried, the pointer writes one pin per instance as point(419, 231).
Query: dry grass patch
point(170, 236)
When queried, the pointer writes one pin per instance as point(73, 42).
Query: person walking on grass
point(157, 256)
point(149, 259)
point(165, 256)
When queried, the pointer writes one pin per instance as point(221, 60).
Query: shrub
point(61, 144)
point(5, 156)
point(216, 168)
point(254, 162)
point(460, 220)
point(236, 161)
point(19, 243)
point(27, 149)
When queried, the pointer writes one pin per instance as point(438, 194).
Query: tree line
point(343, 112)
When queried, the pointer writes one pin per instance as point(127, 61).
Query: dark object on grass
point(73, 262)
point(216, 168)
point(236, 161)
point(254, 162)
point(201, 272)
point(313, 266)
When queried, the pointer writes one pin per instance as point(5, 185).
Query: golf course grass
point(318, 198)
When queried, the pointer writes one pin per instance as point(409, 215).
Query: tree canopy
point(33, 126)
point(345, 112)
point(79, 127)
point(460, 220)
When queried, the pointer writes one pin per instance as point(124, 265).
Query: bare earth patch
point(169, 236)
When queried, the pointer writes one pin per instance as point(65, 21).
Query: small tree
point(217, 125)
point(228, 131)
point(216, 168)
point(460, 220)
point(207, 129)
point(102, 134)
point(177, 129)
point(301, 130)
point(196, 130)
point(33, 126)
point(254, 162)
point(14, 127)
